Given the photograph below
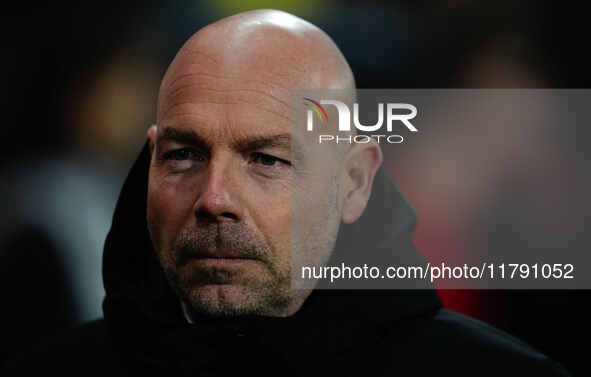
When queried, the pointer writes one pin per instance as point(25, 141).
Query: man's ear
point(360, 166)
point(152, 131)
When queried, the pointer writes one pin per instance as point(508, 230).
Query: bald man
point(229, 197)
point(222, 177)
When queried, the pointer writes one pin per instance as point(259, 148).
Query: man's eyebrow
point(246, 144)
point(259, 142)
point(182, 136)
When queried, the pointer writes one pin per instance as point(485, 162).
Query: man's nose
point(217, 199)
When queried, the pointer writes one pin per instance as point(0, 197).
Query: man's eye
point(267, 160)
point(180, 154)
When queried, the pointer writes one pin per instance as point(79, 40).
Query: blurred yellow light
point(297, 7)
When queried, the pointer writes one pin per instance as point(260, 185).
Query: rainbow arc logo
point(317, 108)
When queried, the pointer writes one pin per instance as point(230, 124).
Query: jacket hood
point(146, 319)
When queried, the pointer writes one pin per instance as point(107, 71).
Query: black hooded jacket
point(336, 332)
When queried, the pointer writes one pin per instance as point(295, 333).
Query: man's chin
point(226, 300)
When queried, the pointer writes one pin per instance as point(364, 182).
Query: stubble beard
point(261, 288)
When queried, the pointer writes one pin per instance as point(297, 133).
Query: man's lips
point(218, 261)
point(216, 258)
point(220, 254)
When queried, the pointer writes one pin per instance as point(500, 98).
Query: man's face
point(234, 194)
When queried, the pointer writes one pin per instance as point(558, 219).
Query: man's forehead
point(225, 97)
point(227, 120)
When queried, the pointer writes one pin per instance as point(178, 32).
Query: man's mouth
point(220, 254)
point(219, 258)
point(221, 262)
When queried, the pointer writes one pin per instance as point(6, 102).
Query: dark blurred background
point(81, 91)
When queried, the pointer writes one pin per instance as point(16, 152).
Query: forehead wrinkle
point(172, 93)
point(179, 104)
point(197, 51)
point(233, 101)
point(220, 77)
point(272, 79)
point(168, 118)
point(239, 100)
point(184, 60)
point(229, 68)
point(286, 118)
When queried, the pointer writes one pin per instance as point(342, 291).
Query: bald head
point(271, 50)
